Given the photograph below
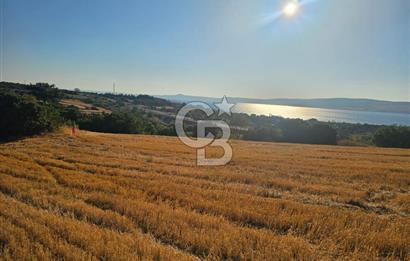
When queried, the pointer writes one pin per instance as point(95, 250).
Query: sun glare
point(291, 8)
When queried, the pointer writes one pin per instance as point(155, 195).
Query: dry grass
point(124, 197)
point(83, 107)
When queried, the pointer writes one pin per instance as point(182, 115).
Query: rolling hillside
point(134, 197)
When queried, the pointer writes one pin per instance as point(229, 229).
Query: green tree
point(392, 136)
point(116, 122)
point(24, 115)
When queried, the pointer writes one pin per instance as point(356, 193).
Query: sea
point(306, 113)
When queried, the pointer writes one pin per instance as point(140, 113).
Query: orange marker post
point(73, 130)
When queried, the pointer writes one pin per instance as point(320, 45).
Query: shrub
point(116, 122)
point(23, 115)
point(392, 136)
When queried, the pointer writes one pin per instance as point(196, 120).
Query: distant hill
point(326, 103)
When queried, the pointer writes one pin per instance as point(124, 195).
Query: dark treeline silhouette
point(296, 131)
point(117, 122)
point(34, 109)
point(392, 136)
point(272, 128)
point(128, 122)
point(24, 115)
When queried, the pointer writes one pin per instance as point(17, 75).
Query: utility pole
point(113, 87)
point(2, 41)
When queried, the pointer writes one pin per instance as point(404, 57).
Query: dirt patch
point(83, 107)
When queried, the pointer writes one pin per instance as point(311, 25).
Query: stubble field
point(125, 197)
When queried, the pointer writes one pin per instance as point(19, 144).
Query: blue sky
point(332, 48)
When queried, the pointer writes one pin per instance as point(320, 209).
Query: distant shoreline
point(325, 114)
point(346, 104)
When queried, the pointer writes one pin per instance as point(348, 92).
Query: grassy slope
point(142, 197)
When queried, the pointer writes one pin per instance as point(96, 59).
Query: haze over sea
point(306, 113)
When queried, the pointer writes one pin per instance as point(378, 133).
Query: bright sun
point(291, 8)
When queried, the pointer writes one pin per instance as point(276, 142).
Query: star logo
point(224, 106)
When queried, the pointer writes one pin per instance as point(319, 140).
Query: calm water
point(324, 114)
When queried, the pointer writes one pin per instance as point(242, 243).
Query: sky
point(331, 48)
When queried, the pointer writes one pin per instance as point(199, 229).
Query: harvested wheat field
point(125, 197)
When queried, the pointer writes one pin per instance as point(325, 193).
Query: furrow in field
point(102, 243)
point(283, 217)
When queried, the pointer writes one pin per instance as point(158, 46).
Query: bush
point(392, 136)
point(303, 132)
point(297, 131)
point(116, 122)
point(71, 114)
point(264, 134)
point(23, 115)
point(320, 134)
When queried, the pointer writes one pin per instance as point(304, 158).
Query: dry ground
point(83, 107)
point(124, 197)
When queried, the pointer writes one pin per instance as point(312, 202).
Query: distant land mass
point(325, 103)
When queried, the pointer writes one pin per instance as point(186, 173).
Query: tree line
point(34, 109)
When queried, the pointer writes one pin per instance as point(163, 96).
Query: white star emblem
point(224, 106)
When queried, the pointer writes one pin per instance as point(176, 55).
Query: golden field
point(131, 197)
